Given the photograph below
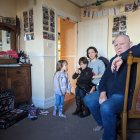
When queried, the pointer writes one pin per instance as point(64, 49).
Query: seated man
point(105, 103)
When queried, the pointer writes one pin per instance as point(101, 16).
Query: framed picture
point(138, 3)
point(119, 26)
point(45, 15)
point(48, 23)
point(45, 28)
point(31, 23)
point(128, 7)
point(45, 35)
point(25, 20)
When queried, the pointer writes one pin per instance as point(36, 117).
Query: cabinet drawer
point(17, 72)
point(2, 83)
point(2, 72)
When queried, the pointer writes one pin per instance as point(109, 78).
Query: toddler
point(61, 86)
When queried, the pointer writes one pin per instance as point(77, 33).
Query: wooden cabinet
point(17, 78)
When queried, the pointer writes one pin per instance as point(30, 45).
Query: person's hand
point(102, 97)
point(78, 71)
point(92, 89)
point(116, 63)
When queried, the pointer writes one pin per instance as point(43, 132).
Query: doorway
point(67, 46)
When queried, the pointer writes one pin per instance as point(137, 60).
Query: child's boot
point(78, 106)
point(61, 112)
point(55, 111)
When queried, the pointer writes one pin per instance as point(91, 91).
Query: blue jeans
point(59, 101)
point(105, 113)
point(80, 92)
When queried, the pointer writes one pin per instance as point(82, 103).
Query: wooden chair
point(134, 112)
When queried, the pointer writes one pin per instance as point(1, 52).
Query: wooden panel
point(2, 79)
point(2, 72)
point(20, 88)
point(8, 61)
point(2, 83)
point(17, 72)
point(19, 80)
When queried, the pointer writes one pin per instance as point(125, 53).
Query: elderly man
point(104, 104)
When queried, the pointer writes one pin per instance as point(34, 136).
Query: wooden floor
point(69, 97)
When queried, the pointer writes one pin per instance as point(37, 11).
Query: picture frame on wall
point(25, 20)
point(45, 28)
point(29, 36)
point(45, 35)
point(48, 23)
point(28, 25)
point(45, 15)
point(52, 21)
point(119, 25)
point(128, 7)
point(31, 23)
point(138, 3)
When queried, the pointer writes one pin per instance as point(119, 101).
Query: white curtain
point(93, 33)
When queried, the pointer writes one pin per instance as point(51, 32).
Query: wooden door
point(68, 39)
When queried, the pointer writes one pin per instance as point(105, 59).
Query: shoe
point(62, 115)
point(76, 112)
point(97, 128)
point(102, 138)
point(84, 114)
point(43, 112)
point(32, 117)
point(54, 113)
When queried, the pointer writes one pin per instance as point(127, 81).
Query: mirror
point(5, 43)
point(9, 36)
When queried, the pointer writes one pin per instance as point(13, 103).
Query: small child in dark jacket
point(84, 77)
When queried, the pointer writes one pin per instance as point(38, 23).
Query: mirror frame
point(14, 36)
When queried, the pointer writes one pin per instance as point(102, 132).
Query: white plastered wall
point(43, 52)
point(8, 8)
point(93, 33)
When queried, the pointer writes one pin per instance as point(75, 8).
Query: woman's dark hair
point(93, 48)
point(83, 60)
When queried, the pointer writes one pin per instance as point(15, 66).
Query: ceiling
point(86, 3)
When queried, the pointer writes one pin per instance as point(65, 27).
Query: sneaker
point(97, 128)
point(54, 113)
point(43, 112)
point(32, 117)
point(62, 115)
point(102, 138)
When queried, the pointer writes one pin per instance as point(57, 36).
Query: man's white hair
point(121, 35)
